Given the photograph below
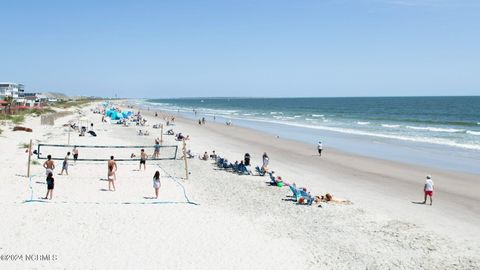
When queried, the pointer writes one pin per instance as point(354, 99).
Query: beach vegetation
point(23, 145)
point(19, 116)
point(65, 104)
point(35, 162)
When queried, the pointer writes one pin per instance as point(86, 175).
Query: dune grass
point(73, 103)
point(20, 115)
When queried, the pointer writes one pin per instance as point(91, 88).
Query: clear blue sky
point(242, 47)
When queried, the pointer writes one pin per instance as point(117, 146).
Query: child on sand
point(49, 165)
point(428, 189)
point(156, 183)
point(50, 184)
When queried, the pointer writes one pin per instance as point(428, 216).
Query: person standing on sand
point(50, 184)
point(75, 154)
point(65, 164)
point(156, 151)
point(428, 189)
point(49, 165)
point(111, 176)
point(156, 183)
point(265, 160)
point(143, 159)
point(246, 159)
point(320, 148)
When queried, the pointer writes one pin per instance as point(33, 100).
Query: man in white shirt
point(320, 148)
point(428, 189)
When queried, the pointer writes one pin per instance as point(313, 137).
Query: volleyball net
point(104, 152)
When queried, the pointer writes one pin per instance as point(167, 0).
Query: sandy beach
point(232, 221)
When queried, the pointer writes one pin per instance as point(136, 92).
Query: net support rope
point(174, 179)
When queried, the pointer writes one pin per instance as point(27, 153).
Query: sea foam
point(434, 129)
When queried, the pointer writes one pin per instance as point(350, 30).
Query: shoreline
point(413, 152)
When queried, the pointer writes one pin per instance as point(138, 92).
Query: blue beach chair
point(260, 171)
point(306, 196)
point(295, 191)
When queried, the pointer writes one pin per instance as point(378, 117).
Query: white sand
point(239, 222)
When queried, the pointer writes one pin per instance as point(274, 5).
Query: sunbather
point(204, 157)
point(328, 198)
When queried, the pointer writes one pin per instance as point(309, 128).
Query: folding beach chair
point(260, 171)
point(306, 196)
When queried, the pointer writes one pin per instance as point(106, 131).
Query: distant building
point(9, 89)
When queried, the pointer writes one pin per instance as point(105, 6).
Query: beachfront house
point(10, 89)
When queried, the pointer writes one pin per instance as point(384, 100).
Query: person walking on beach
point(111, 175)
point(265, 160)
point(143, 159)
point(428, 189)
point(75, 154)
point(49, 165)
point(65, 164)
point(156, 183)
point(320, 148)
point(50, 184)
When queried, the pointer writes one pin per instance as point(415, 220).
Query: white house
point(9, 89)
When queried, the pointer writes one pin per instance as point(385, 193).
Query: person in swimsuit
point(156, 183)
point(112, 177)
point(65, 164)
point(143, 159)
point(49, 165)
point(75, 154)
point(50, 184)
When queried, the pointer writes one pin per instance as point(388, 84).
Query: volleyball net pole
point(161, 134)
point(185, 158)
point(29, 157)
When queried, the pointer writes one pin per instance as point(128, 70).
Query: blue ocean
point(398, 128)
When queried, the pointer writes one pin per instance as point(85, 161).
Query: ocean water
point(438, 126)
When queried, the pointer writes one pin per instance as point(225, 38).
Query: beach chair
point(306, 195)
point(242, 169)
point(295, 191)
point(260, 171)
point(219, 162)
point(272, 178)
point(226, 165)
